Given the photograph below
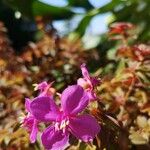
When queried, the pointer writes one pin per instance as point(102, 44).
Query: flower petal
point(44, 108)
point(92, 95)
point(91, 80)
point(85, 72)
point(41, 86)
point(27, 104)
point(31, 124)
point(54, 140)
point(84, 127)
point(74, 99)
point(34, 131)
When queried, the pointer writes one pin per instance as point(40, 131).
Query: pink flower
point(65, 120)
point(88, 83)
point(30, 123)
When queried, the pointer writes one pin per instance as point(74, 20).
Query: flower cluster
point(66, 119)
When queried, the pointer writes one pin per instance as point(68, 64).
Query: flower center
point(61, 125)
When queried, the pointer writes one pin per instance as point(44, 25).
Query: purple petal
point(84, 127)
point(74, 99)
point(54, 140)
point(31, 124)
point(41, 86)
point(44, 109)
point(91, 80)
point(85, 72)
point(92, 95)
point(27, 104)
point(34, 131)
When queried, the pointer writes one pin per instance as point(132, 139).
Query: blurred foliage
point(124, 65)
point(31, 8)
point(125, 92)
point(122, 107)
point(134, 11)
point(20, 30)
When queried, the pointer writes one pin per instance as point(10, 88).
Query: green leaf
point(32, 8)
point(80, 3)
